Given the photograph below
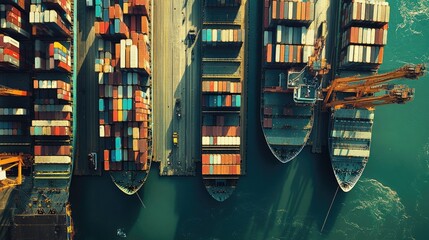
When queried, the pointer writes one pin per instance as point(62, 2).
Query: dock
point(87, 132)
point(176, 78)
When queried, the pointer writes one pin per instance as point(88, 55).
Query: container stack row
point(9, 52)
point(212, 36)
point(52, 19)
point(221, 86)
point(221, 97)
point(364, 34)
point(10, 128)
point(123, 67)
point(13, 19)
point(129, 46)
point(280, 11)
point(288, 37)
point(222, 101)
point(52, 56)
point(287, 54)
point(221, 164)
point(52, 85)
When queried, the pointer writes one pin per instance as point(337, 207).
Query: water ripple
point(412, 12)
point(373, 213)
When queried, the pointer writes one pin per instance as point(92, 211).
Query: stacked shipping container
point(287, 38)
point(364, 33)
point(14, 111)
point(52, 90)
point(222, 36)
point(123, 68)
point(221, 164)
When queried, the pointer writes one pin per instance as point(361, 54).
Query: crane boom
point(6, 91)
point(395, 94)
point(8, 161)
point(365, 84)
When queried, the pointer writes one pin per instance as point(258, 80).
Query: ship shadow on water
point(100, 208)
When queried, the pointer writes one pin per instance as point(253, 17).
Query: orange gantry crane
point(7, 162)
point(365, 91)
point(394, 94)
point(6, 91)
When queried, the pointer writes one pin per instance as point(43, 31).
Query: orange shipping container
point(106, 166)
point(290, 53)
point(274, 10)
point(106, 155)
point(269, 52)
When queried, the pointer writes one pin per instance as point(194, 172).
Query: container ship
point(352, 99)
point(288, 88)
point(36, 52)
point(364, 27)
point(222, 90)
point(123, 66)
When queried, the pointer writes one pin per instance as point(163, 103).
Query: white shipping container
point(362, 13)
point(360, 55)
point(231, 35)
point(52, 159)
point(214, 35)
point(368, 54)
point(101, 131)
point(279, 33)
point(355, 53)
point(290, 10)
point(354, 7)
point(50, 123)
point(134, 57)
point(277, 53)
point(7, 39)
point(122, 54)
point(368, 35)
point(384, 37)
point(374, 13)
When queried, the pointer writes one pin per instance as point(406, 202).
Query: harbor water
point(290, 201)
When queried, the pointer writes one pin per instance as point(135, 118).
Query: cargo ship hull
point(288, 42)
point(349, 144)
point(123, 66)
point(363, 37)
point(129, 182)
point(223, 92)
point(286, 125)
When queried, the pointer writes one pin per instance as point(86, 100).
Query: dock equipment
point(364, 89)
point(7, 162)
point(6, 91)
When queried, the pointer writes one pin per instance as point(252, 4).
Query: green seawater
point(290, 201)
